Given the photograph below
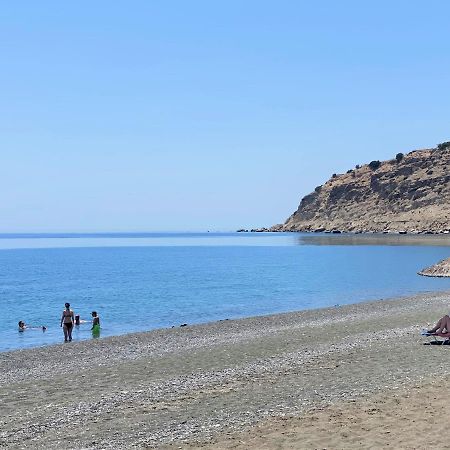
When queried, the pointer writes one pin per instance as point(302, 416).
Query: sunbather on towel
point(442, 328)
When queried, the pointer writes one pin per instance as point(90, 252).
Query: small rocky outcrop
point(409, 194)
point(441, 269)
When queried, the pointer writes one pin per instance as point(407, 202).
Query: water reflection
point(43, 241)
point(372, 239)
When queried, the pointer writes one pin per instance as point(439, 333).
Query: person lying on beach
point(67, 319)
point(442, 328)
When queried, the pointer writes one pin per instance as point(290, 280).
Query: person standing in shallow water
point(95, 324)
point(67, 321)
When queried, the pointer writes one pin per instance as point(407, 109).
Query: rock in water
point(441, 269)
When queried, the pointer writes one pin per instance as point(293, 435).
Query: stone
point(441, 269)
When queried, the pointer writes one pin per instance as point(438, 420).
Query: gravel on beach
point(205, 385)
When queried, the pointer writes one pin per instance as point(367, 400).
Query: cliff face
point(411, 195)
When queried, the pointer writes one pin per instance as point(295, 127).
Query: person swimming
point(23, 326)
point(67, 321)
point(79, 321)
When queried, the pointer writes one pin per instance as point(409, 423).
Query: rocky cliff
point(410, 193)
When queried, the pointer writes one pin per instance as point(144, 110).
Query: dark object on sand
point(446, 342)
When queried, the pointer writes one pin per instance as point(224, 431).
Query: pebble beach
point(354, 376)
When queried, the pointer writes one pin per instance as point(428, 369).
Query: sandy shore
point(353, 376)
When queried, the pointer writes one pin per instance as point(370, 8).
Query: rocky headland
point(408, 194)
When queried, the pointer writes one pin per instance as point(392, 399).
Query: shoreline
point(204, 385)
point(237, 319)
point(292, 288)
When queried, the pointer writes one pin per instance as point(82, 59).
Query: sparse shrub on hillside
point(357, 166)
point(443, 145)
point(334, 175)
point(318, 189)
point(374, 165)
point(349, 171)
point(399, 157)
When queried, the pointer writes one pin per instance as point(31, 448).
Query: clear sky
point(207, 115)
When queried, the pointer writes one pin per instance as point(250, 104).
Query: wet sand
point(354, 376)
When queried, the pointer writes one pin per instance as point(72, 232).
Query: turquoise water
point(145, 281)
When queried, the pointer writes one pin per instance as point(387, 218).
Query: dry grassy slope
point(410, 195)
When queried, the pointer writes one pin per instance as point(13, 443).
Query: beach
point(354, 376)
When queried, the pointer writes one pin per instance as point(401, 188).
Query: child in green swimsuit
point(95, 324)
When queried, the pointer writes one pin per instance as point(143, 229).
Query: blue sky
point(200, 115)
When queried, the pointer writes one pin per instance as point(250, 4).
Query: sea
point(144, 281)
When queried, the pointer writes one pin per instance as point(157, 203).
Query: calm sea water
point(145, 281)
